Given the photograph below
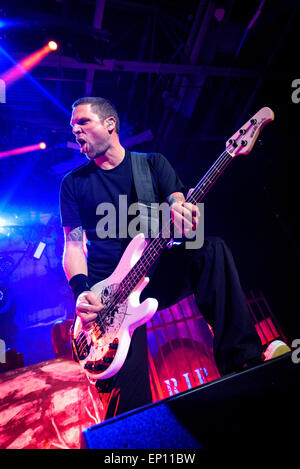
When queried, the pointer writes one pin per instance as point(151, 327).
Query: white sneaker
point(276, 349)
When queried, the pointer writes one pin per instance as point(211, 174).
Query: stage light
point(3, 222)
point(34, 81)
point(22, 150)
point(10, 23)
point(52, 45)
point(21, 68)
point(7, 220)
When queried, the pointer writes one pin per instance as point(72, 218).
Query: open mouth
point(83, 144)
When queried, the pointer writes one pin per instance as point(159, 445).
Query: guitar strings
point(214, 172)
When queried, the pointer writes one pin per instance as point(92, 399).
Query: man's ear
point(110, 123)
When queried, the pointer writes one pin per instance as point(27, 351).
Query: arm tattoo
point(175, 197)
point(76, 234)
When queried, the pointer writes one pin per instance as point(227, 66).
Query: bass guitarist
point(208, 272)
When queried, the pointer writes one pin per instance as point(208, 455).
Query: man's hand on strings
point(87, 307)
point(185, 215)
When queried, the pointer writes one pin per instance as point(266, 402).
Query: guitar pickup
point(95, 367)
point(108, 359)
point(113, 346)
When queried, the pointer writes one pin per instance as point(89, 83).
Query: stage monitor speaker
point(251, 408)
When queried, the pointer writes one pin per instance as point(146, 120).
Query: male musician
point(208, 272)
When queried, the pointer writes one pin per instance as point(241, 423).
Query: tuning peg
point(233, 143)
point(253, 121)
point(242, 131)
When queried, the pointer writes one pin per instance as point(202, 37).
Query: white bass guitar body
point(102, 350)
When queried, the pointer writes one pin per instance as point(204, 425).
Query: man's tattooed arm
point(74, 256)
point(74, 234)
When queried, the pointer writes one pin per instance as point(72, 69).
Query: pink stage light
point(21, 150)
point(16, 72)
point(52, 45)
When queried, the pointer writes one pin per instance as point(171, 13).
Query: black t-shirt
point(83, 189)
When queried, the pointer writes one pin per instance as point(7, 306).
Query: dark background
point(189, 73)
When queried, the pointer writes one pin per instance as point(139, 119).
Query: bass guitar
point(102, 349)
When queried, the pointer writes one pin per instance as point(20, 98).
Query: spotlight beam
point(22, 150)
point(27, 63)
point(37, 84)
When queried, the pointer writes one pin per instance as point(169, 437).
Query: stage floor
point(49, 405)
point(46, 406)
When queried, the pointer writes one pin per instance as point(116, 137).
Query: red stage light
point(52, 45)
point(22, 150)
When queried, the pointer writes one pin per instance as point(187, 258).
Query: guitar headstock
point(242, 141)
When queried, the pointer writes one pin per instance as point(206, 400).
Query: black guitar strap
point(147, 201)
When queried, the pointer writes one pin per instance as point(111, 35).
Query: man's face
point(91, 132)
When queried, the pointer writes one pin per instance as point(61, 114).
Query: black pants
point(210, 274)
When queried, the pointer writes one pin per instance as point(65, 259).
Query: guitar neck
point(155, 247)
point(210, 178)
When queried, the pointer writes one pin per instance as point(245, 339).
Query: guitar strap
point(147, 204)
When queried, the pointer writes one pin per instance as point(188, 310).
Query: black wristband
point(78, 284)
